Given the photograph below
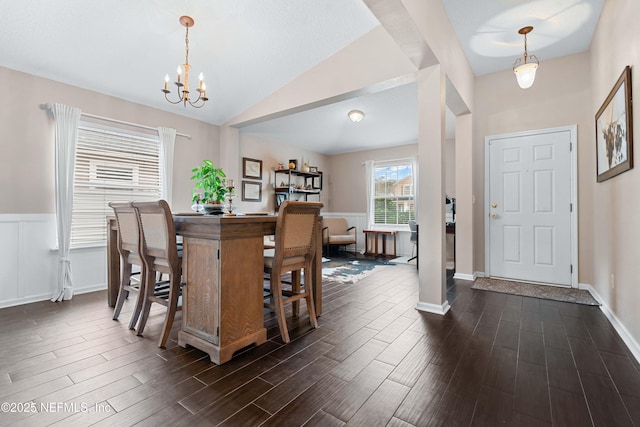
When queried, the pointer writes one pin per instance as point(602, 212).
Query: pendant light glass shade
point(526, 74)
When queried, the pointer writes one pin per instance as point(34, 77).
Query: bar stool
point(294, 250)
point(129, 249)
point(159, 254)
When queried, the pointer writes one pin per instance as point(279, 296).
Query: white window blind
point(393, 202)
point(111, 165)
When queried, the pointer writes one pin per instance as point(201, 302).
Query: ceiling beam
point(395, 18)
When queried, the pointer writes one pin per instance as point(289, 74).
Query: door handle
point(494, 215)
point(494, 205)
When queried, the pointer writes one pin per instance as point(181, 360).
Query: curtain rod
point(107, 119)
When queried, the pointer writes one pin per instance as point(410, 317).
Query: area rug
point(349, 270)
point(555, 293)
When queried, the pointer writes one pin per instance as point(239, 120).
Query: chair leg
point(149, 287)
point(172, 307)
point(125, 278)
point(139, 300)
point(295, 287)
point(276, 290)
point(311, 309)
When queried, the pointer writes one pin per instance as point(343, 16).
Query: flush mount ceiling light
point(183, 88)
point(356, 115)
point(525, 68)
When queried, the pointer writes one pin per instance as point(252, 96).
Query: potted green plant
point(211, 180)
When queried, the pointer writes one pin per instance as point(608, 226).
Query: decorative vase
point(213, 208)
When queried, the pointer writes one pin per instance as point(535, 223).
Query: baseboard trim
point(462, 276)
point(618, 326)
point(25, 300)
point(433, 308)
point(47, 296)
point(479, 274)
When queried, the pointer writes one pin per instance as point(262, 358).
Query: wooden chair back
point(128, 230)
point(295, 231)
point(158, 243)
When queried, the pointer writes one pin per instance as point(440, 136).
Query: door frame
point(573, 131)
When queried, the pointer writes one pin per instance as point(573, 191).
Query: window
point(393, 199)
point(111, 164)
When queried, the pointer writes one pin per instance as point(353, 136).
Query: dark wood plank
point(605, 404)
point(532, 391)
point(531, 348)
point(562, 371)
point(289, 389)
point(501, 371)
point(381, 406)
point(492, 408)
point(343, 405)
point(568, 409)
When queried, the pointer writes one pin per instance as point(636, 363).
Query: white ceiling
point(249, 49)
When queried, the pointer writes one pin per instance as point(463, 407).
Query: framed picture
point(251, 191)
point(293, 164)
point(614, 130)
point(313, 169)
point(251, 168)
point(317, 182)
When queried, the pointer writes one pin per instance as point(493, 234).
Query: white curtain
point(414, 171)
point(66, 119)
point(369, 168)
point(167, 138)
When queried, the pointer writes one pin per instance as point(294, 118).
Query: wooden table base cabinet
point(222, 304)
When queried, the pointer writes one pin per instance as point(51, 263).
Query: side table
point(375, 234)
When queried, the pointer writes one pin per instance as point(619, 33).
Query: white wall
point(614, 203)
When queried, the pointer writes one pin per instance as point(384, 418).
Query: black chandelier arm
point(200, 98)
point(166, 92)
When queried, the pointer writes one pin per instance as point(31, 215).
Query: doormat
point(556, 293)
point(349, 270)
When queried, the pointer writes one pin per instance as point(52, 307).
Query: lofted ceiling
point(249, 49)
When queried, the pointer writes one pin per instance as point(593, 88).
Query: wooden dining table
point(222, 272)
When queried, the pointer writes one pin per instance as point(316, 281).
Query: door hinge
point(570, 207)
point(571, 268)
point(218, 253)
point(218, 331)
point(571, 146)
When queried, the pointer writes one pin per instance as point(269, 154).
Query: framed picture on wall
point(614, 130)
point(317, 182)
point(251, 168)
point(251, 191)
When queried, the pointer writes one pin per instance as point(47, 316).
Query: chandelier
point(183, 84)
point(525, 71)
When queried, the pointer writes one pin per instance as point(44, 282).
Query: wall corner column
point(464, 197)
point(432, 277)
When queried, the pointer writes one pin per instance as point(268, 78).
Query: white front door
point(530, 206)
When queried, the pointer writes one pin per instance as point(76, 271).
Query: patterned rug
point(349, 270)
point(578, 296)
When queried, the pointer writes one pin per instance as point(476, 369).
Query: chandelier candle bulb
point(201, 77)
point(179, 70)
point(166, 82)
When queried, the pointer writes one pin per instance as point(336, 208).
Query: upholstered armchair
point(335, 232)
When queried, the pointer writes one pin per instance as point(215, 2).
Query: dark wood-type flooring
point(493, 360)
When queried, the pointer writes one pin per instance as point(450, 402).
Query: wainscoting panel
point(29, 260)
